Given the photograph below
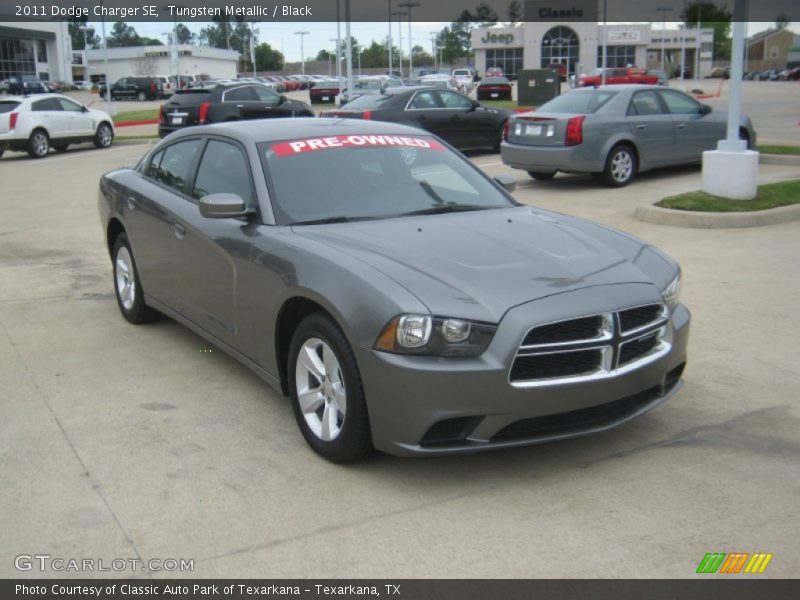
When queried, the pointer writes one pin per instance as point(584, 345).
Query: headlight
point(672, 292)
point(435, 336)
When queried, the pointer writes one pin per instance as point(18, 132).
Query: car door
point(425, 110)
point(245, 100)
point(695, 130)
point(51, 115)
point(651, 127)
point(464, 126)
point(79, 123)
point(211, 252)
point(270, 103)
point(150, 214)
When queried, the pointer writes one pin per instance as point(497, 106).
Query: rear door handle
point(680, 125)
point(641, 127)
point(180, 231)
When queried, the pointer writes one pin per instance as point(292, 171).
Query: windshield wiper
point(446, 208)
point(327, 220)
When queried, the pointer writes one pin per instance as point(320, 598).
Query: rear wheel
point(744, 136)
point(130, 297)
point(103, 136)
point(141, 96)
point(1, 153)
point(542, 175)
point(38, 144)
point(620, 166)
point(326, 391)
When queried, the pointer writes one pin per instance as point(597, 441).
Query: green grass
point(137, 137)
point(505, 104)
point(771, 195)
point(774, 149)
point(146, 114)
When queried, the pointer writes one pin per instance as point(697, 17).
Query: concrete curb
point(779, 159)
point(714, 220)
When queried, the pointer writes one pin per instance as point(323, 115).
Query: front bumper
point(549, 158)
point(473, 403)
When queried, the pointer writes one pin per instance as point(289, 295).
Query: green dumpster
point(537, 86)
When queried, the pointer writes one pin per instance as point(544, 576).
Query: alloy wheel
point(125, 280)
point(622, 166)
point(321, 392)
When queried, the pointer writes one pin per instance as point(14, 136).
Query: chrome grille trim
point(610, 341)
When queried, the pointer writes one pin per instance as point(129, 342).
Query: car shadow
point(581, 181)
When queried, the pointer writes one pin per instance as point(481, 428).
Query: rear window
point(578, 102)
point(369, 101)
point(6, 106)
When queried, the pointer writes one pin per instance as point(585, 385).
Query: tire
point(745, 137)
point(103, 136)
point(1, 153)
point(333, 418)
point(141, 96)
point(38, 144)
point(620, 166)
point(61, 147)
point(499, 141)
point(127, 288)
point(542, 175)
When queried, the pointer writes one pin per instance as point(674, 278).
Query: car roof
point(269, 130)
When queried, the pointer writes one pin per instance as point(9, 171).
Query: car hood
point(478, 265)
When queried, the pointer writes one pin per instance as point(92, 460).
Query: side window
point(223, 169)
point(453, 100)
point(645, 103)
point(69, 105)
point(241, 94)
point(679, 104)
point(424, 100)
point(155, 162)
point(123, 81)
point(175, 164)
point(46, 104)
point(265, 95)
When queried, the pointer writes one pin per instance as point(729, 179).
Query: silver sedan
point(615, 132)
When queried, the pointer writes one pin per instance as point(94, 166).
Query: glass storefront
point(508, 59)
point(561, 45)
point(617, 56)
point(17, 57)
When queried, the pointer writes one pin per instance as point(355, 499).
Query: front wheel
point(103, 136)
point(326, 391)
point(141, 96)
point(127, 286)
point(620, 166)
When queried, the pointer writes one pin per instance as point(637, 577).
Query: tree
point(79, 37)
point(421, 57)
point(782, 21)
point(718, 18)
point(323, 56)
point(184, 34)
point(268, 59)
point(485, 15)
point(148, 41)
point(123, 35)
point(514, 12)
point(217, 35)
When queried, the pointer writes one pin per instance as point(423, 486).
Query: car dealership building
point(578, 44)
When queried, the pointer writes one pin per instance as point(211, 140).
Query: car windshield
point(577, 102)
point(356, 177)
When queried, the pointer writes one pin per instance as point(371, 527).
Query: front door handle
point(180, 231)
point(680, 125)
point(641, 127)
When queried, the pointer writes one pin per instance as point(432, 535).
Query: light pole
point(302, 35)
point(433, 50)
point(390, 37)
point(111, 109)
point(409, 5)
point(605, 45)
point(683, 43)
point(663, 10)
point(253, 32)
point(399, 14)
point(349, 49)
point(338, 62)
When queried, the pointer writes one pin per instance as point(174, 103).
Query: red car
point(560, 68)
point(494, 88)
point(324, 91)
point(618, 77)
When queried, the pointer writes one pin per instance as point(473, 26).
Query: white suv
point(37, 123)
point(465, 79)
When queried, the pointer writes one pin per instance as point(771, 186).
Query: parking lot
point(145, 442)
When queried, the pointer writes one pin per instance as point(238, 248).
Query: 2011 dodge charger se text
point(401, 298)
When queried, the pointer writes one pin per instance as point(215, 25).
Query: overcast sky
point(281, 36)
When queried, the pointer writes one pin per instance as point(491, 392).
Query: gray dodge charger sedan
point(397, 295)
point(615, 131)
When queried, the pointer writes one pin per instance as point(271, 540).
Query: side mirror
point(223, 206)
point(705, 110)
point(508, 181)
point(281, 99)
point(84, 109)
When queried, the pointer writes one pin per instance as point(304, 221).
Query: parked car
point(494, 72)
point(465, 78)
point(369, 85)
point(403, 300)
point(618, 76)
point(494, 88)
point(663, 76)
point(794, 74)
point(457, 119)
point(234, 102)
point(720, 72)
point(138, 88)
point(34, 124)
point(560, 68)
point(26, 84)
point(615, 132)
point(166, 86)
point(324, 91)
point(440, 81)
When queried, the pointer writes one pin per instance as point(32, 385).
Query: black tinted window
point(453, 100)
point(46, 104)
point(265, 94)
point(8, 106)
point(152, 168)
point(242, 94)
point(223, 169)
point(69, 105)
point(645, 103)
point(175, 164)
point(424, 100)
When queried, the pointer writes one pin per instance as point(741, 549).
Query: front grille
point(591, 346)
point(634, 318)
point(630, 351)
point(559, 364)
point(585, 418)
point(573, 330)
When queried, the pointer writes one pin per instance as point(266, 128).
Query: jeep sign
point(498, 38)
